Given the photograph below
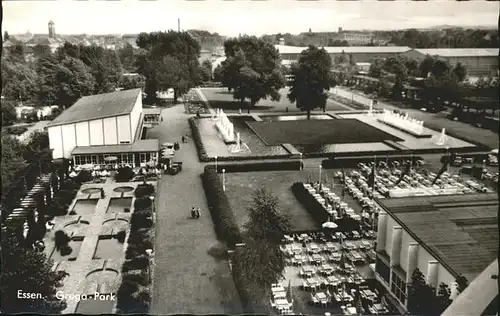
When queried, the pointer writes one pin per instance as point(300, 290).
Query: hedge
point(259, 166)
point(202, 153)
point(223, 218)
point(317, 211)
point(142, 203)
point(352, 162)
point(124, 174)
point(143, 190)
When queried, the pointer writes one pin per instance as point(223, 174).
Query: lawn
point(240, 186)
point(108, 249)
point(221, 98)
point(304, 132)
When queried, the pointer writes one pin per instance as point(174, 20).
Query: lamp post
point(152, 198)
point(149, 252)
point(300, 154)
point(216, 170)
point(224, 180)
point(320, 167)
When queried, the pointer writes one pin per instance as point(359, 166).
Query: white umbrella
point(111, 158)
point(331, 225)
point(494, 151)
point(88, 166)
point(72, 174)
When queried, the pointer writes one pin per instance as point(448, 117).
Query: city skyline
point(233, 18)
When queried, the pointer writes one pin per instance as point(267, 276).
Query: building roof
point(99, 106)
point(142, 145)
point(459, 52)
point(461, 231)
point(284, 49)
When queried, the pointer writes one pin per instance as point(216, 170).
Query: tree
point(342, 58)
point(252, 69)
point(63, 82)
point(440, 68)
point(177, 45)
point(6, 36)
point(21, 83)
point(16, 53)
point(206, 70)
point(12, 160)
point(40, 50)
point(218, 73)
point(462, 283)
point(375, 70)
point(127, 57)
point(8, 113)
point(425, 67)
point(421, 296)
point(169, 72)
point(30, 271)
point(443, 298)
point(311, 80)
point(105, 66)
point(460, 71)
point(261, 262)
point(131, 82)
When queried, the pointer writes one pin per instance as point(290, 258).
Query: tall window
point(398, 288)
point(127, 158)
point(93, 159)
point(77, 160)
point(383, 270)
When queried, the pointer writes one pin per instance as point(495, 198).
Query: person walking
point(193, 212)
point(198, 212)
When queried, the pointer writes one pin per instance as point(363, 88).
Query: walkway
point(187, 279)
point(436, 121)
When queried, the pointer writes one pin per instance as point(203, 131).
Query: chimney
point(432, 273)
point(412, 261)
point(381, 231)
point(281, 41)
point(178, 25)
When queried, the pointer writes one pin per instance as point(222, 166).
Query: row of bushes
point(317, 211)
point(225, 224)
point(124, 174)
point(202, 152)
point(134, 295)
point(352, 162)
point(260, 166)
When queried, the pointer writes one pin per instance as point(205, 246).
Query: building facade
point(103, 125)
point(478, 61)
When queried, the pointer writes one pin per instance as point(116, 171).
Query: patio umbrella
point(111, 158)
point(330, 225)
point(87, 166)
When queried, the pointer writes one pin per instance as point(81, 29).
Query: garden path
point(186, 279)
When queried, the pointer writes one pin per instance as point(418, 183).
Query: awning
point(139, 146)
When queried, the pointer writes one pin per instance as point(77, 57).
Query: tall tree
point(206, 70)
point(21, 83)
point(218, 73)
point(8, 112)
point(443, 298)
point(312, 80)
point(261, 261)
point(30, 271)
point(421, 298)
point(460, 71)
point(178, 45)
point(127, 57)
point(252, 69)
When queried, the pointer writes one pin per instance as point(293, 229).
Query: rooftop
point(284, 49)
point(143, 145)
point(459, 52)
point(99, 106)
point(461, 231)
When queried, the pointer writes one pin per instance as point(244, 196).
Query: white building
point(97, 126)
point(444, 236)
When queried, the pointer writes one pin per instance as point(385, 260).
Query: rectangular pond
point(277, 118)
point(108, 248)
point(75, 246)
point(118, 205)
point(85, 207)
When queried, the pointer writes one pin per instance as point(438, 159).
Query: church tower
point(52, 30)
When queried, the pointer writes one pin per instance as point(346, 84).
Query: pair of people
point(195, 212)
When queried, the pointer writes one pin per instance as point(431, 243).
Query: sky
point(231, 18)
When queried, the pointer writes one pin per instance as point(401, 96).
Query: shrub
point(143, 190)
point(142, 203)
point(61, 239)
point(352, 162)
point(66, 250)
point(141, 278)
point(124, 174)
point(225, 224)
point(56, 209)
point(71, 185)
point(17, 130)
point(317, 211)
point(83, 176)
point(202, 152)
point(140, 239)
point(66, 196)
point(127, 288)
point(138, 263)
point(120, 236)
point(140, 220)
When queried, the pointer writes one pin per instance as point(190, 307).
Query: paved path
point(187, 279)
point(484, 136)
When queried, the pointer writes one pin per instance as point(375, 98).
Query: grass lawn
point(240, 186)
point(304, 132)
point(221, 98)
point(108, 249)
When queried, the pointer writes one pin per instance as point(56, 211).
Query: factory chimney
point(178, 25)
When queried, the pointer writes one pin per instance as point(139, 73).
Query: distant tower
point(340, 30)
point(52, 30)
point(310, 31)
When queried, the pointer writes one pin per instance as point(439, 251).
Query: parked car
point(457, 162)
point(492, 160)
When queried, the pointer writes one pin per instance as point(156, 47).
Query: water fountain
point(403, 122)
point(225, 127)
point(442, 138)
point(239, 146)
